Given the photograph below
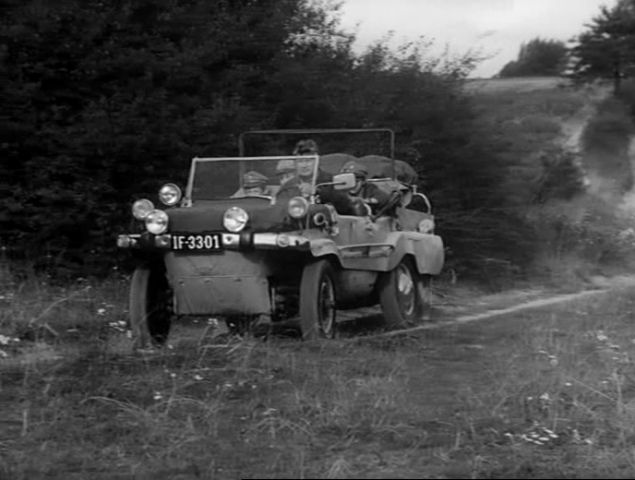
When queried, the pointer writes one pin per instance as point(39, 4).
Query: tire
point(403, 295)
point(150, 307)
point(317, 301)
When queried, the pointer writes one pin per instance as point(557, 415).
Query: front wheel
point(403, 295)
point(317, 301)
point(150, 306)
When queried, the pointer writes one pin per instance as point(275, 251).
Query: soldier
point(285, 170)
point(369, 193)
point(301, 185)
point(254, 184)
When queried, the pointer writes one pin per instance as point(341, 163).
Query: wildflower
point(4, 340)
point(567, 384)
point(553, 360)
point(198, 378)
point(172, 375)
point(601, 336)
point(157, 396)
point(545, 398)
point(548, 433)
point(530, 439)
point(101, 311)
point(3, 354)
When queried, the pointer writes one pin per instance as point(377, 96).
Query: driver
point(254, 184)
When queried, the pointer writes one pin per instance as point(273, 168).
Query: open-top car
point(248, 246)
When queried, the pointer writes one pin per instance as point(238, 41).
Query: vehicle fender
point(322, 247)
point(425, 248)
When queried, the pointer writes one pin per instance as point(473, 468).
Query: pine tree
point(607, 48)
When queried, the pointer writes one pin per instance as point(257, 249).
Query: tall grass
point(529, 395)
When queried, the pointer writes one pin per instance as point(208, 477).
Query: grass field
point(544, 393)
point(538, 394)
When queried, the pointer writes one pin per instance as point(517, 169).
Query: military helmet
point(254, 179)
point(357, 168)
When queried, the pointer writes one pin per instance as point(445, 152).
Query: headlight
point(157, 221)
point(141, 208)
point(235, 219)
point(298, 207)
point(426, 225)
point(170, 194)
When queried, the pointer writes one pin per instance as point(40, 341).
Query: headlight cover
point(235, 219)
point(298, 207)
point(141, 208)
point(156, 222)
point(170, 194)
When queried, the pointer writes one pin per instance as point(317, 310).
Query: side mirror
point(344, 181)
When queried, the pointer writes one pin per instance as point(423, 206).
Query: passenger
point(285, 170)
point(369, 193)
point(302, 184)
point(254, 184)
point(306, 166)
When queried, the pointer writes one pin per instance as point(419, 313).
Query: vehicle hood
point(208, 216)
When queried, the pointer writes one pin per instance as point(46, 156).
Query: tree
point(102, 101)
point(537, 57)
point(607, 48)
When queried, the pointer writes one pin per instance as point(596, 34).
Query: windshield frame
point(190, 181)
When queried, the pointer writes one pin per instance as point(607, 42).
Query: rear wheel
point(317, 301)
point(150, 307)
point(402, 295)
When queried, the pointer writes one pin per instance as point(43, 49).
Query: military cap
point(285, 166)
point(254, 179)
point(357, 168)
point(306, 147)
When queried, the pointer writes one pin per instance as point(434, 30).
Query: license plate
point(207, 242)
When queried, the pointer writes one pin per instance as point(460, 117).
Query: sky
point(496, 27)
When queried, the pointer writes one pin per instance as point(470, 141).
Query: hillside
point(568, 168)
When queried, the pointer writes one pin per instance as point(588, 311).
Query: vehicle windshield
point(241, 177)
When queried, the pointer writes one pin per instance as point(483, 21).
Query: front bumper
point(230, 241)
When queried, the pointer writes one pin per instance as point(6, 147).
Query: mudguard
point(425, 248)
